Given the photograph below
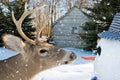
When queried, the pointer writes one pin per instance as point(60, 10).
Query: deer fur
point(32, 59)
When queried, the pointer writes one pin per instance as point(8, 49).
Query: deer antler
point(18, 23)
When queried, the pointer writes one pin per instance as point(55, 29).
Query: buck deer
point(34, 55)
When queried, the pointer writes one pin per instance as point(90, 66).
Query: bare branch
point(43, 27)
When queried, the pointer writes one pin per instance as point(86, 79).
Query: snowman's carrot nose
point(88, 58)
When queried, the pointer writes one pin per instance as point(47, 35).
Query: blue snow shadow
point(5, 53)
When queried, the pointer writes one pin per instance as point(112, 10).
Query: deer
point(34, 55)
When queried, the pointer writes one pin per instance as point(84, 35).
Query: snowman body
point(107, 65)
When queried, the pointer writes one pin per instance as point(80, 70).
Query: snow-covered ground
point(79, 70)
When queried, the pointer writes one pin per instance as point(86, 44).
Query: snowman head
point(107, 62)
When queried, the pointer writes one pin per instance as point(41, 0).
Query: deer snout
point(70, 57)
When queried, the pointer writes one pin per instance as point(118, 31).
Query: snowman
point(107, 61)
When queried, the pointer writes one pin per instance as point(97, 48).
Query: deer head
point(34, 55)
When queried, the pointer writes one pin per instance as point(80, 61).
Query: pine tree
point(90, 36)
point(9, 26)
point(2, 25)
point(101, 15)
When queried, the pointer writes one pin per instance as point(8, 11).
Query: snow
point(79, 70)
point(68, 72)
point(5, 53)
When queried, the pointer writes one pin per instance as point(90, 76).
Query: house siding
point(66, 30)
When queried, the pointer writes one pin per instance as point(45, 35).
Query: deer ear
point(13, 43)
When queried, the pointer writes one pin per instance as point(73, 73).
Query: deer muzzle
point(68, 58)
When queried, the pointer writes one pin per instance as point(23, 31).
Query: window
point(74, 30)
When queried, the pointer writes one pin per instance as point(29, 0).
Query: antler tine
point(26, 6)
point(18, 23)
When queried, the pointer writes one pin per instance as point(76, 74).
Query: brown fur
point(31, 59)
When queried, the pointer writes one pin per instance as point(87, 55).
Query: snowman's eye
point(99, 50)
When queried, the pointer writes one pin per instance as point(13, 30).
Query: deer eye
point(43, 52)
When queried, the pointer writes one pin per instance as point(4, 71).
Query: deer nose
point(73, 55)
